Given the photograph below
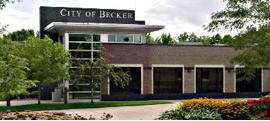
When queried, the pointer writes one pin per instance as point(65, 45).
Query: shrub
point(181, 114)
point(259, 109)
point(34, 94)
point(229, 109)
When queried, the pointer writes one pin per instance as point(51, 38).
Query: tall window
point(209, 80)
point(134, 86)
point(253, 85)
point(125, 38)
point(167, 80)
point(84, 46)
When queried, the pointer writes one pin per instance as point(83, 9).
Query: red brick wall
point(129, 54)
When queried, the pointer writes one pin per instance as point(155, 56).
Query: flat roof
point(55, 27)
point(196, 44)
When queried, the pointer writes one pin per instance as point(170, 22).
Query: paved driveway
point(148, 112)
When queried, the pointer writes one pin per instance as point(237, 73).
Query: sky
point(178, 16)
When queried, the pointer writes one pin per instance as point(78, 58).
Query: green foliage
point(13, 67)
point(206, 40)
point(4, 2)
point(180, 114)
point(167, 39)
point(164, 39)
point(240, 14)
point(48, 61)
point(259, 109)
point(254, 43)
point(20, 35)
point(36, 107)
point(3, 28)
point(151, 40)
point(34, 94)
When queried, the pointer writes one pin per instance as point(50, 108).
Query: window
point(96, 38)
point(124, 38)
point(134, 86)
point(80, 46)
point(253, 85)
point(168, 80)
point(96, 46)
point(81, 54)
point(80, 37)
point(111, 38)
point(209, 80)
point(129, 38)
point(83, 47)
point(137, 38)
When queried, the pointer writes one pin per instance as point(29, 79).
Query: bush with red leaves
point(259, 109)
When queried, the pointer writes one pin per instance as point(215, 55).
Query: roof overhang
point(56, 27)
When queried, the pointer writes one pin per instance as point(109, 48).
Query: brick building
point(184, 70)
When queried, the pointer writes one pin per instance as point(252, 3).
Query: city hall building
point(178, 71)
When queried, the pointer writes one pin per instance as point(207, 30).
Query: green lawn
point(36, 107)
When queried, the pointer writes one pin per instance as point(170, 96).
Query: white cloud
point(178, 16)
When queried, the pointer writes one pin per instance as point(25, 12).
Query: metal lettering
point(118, 15)
point(61, 12)
point(102, 14)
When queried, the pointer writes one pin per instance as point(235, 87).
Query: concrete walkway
point(149, 112)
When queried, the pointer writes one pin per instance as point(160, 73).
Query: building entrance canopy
point(56, 27)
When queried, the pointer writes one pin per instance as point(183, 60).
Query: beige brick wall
point(229, 82)
point(266, 80)
point(189, 82)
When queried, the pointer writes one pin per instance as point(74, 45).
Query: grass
point(36, 107)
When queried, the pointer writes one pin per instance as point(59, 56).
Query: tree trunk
point(65, 96)
point(92, 95)
point(38, 94)
point(8, 100)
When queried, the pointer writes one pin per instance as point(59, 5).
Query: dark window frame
point(200, 77)
point(157, 84)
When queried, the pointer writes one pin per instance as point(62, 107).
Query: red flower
point(250, 101)
point(265, 113)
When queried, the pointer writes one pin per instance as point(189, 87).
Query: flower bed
point(259, 109)
point(228, 109)
point(30, 115)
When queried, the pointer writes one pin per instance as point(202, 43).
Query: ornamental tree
point(252, 17)
point(13, 67)
point(96, 73)
point(20, 35)
point(48, 61)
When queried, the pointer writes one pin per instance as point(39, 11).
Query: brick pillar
point(229, 82)
point(147, 81)
point(266, 81)
point(189, 82)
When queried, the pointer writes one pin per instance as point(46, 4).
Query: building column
point(265, 80)
point(230, 81)
point(189, 81)
point(147, 81)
